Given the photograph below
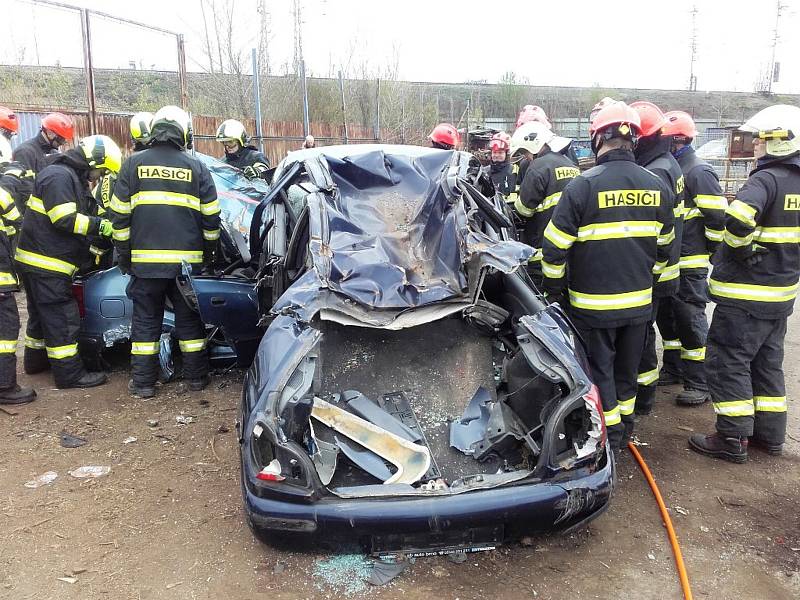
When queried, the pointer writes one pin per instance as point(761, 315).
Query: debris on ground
point(278, 568)
point(152, 422)
point(651, 556)
point(71, 441)
point(43, 479)
point(384, 571)
point(457, 557)
point(184, 419)
point(90, 472)
point(681, 511)
point(346, 573)
point(130, 440)
point(68, 579)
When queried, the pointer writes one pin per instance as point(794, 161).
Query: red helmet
point(531, 112)
point(500, 142)
point(600, 106)
point(619, 114)
point(445, 134)
point(651, 117)
point(59, 124)
point(679, 124)
point(8, 120)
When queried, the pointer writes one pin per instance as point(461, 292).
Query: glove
point(106, 228)
point(250, 172)
point(757, 253)
point(125, 264)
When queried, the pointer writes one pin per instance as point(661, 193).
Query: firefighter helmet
point(680, 124)
point(60, 124)
point(101, 152)
point(9, 124)
point(445, 136)
point(5, 151)
point(500, 142)
point(172, 124)
point(531, 113)
point(618, 119)
point(779, 126)
point(232, 131)
point(141, 124)
point(600, 106)
point(651, 117)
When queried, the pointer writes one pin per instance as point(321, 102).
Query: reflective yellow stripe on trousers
point(612, 416)
point(8, 346)
point(734, 408)
point(770, 403)
point(144, 348)
point(192, 345)
point(61, 352)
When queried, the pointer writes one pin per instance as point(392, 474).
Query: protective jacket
point(703, 212)
point(757, 267)
point(165, 211)
point(545, 180)
point(248, 156)
point(613, 225)
point(654, 155)
point(61, 218)
point(503, 177)
point(10, 217)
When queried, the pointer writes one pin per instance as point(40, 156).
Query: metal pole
point(344, 110)
point(306, 125)
point(378, 112)
point(88, 70)
point(182, 81)
point(257, 100)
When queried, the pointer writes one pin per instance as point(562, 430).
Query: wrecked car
point(225, 298)
point(413, 393)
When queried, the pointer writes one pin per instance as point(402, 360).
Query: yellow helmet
point(232, 130)
point(141, 124)
point(171, 123)
point(101, 152)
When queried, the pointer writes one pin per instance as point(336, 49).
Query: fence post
point(257, 100)
point(304, 87)
point(88, 70)
point(344, 110)
point(182, 80)
point(378, 112)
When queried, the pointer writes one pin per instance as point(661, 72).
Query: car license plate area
point(397, 545)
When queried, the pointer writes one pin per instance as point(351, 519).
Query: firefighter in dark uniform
point(10, 392)
point(545, 180)
point(248, 159)
point(703, 223)
point(165, 213)
point(611, 227)
point(501, 171)
point(754, 283)
point(653, 153)
point(54, 242)
point(35, 153)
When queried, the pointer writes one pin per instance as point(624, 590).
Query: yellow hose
point(673, 540)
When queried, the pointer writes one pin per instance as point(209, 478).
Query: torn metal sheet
point(363, 458)
point(412, 460)
point(470, 428)
point(324, 457)
point(367, 409)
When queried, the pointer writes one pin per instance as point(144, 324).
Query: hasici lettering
point(679, 185)
point(791, 202)
point(566, 172)
point(162, 172)
point(614, 198)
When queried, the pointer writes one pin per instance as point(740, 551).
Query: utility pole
point(693, 47)
point(88, 69)
point(297, 14)
point(257, 100)
point(771, 73)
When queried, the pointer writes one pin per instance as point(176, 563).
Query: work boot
point(768, 447)
point(198, 384)
point(668, 378)
point(33, 365)
point(692, 397)
point(17, 395)
point(141, 391)
point(645, 400)
point(88, 380)
point(733, 449)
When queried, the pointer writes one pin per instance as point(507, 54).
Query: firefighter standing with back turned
point(754, 283)
point(611, 226)
point(703, 222)
point(165, 213)
point(54, 242)
point(653, 153)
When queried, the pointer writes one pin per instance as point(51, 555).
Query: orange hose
point(673, 540)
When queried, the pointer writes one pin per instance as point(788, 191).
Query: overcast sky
point(610, 43)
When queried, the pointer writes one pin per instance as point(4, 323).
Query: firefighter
point(165, 213)
point(531, 113)
point(754, 284)
point(444, 136)
point(232, 135)
point(545, 180)
point(10, 391)
point(9, 125)
point(53, 244)
point(703, 222)
point(611, 227)
point(140, 130)
point(309, 142)
point(653, 152)
point(57, 130)
point(501, 172)
point(521, 155)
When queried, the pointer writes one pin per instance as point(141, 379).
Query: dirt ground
point(167, 521)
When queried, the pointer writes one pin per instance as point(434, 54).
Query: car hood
point(389, 233)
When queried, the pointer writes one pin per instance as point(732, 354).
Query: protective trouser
point(52, 331)
point(149, 296)
point(689, 312)
point(744, 367)
point(670, 339)
point(9, 332)
point(614, 360)
point(648, 366)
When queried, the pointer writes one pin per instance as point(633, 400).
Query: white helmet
point(533, 136)
point(5, 150)
point(232, 130)
point(779, 125)
point(174, 124)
